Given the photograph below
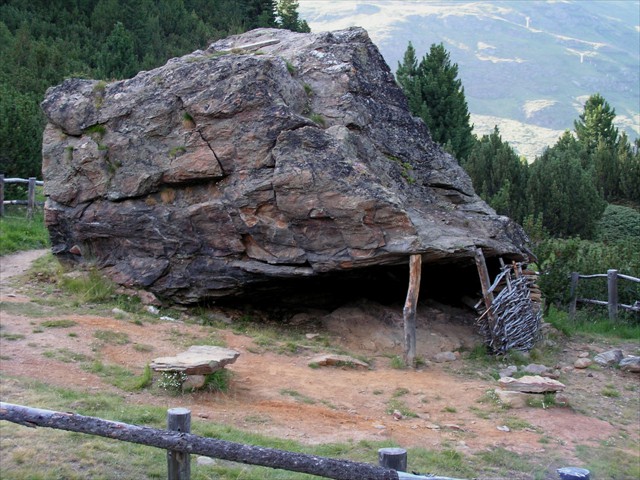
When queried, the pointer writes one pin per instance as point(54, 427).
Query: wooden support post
point(179, 463)
point(612, 286)
point(1, 194)
point(394, 458)
point(575, 277)
point(31, 197)
point(485, 281)
point(409, 311)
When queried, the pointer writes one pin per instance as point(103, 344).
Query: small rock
point(609, 358)
point(311, 336)
point(445, 357)
point(168, 319)
point(75, 250)
point(562, 399)
point(193, 382)
point(504, 428)
point(583, 354)
point(531, 384)
point(536, 369)
point(512, 399)
point(147, 298)
point(119, 312)
point(197, 360)
point(153, 310)
point(203, 461)
point(432, 426)
point(582, 363)
point(509, 371)
point(453, 426)
point(398, 415)
point(630, 364)
point(379, 427)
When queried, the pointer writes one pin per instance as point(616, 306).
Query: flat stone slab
point(531, 384)
point(331, 360)
point(197, 360)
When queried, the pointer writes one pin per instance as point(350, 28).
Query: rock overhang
point(230, 168)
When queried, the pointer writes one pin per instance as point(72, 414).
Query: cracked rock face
point(270, 155)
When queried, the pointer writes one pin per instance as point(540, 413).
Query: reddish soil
point(280, 395)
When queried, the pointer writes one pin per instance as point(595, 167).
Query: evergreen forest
point(42, 42)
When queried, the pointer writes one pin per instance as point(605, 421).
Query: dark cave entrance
point(451, 283)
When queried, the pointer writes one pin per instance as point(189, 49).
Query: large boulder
point(269, 155)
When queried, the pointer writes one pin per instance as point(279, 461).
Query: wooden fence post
point(179, 463)
point(409, 311)
point(395, 458)
point(1, 194)
point(31, 197)
point(612, 286)
point(575, 276)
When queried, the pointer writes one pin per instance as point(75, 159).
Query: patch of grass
point(298, 396)
point(397, 362)
point(400, 392)
point(111, 337)
point(12, 337)
point(177, 151)
point(515, 423)
point(593, 324)
point(450, 409)
point(546, 400)
point(218, 381)
point(504, 462)
point(97, 131)
point(59, 323)
point(120, 377)
point(610, 391)
point(18, 233)
point(318, 119)
point(141, 347)
point(607, 462)
point(290, 68)
point(90, 288)
point(308, 89)
point(396, 404)
point(65, 355)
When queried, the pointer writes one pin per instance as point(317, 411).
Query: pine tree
point(563, 193)
point(595, 124)
point(436, 95)
point(288, 18)
point(499, 175)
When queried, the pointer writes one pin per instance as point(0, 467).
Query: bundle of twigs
point(513, 321)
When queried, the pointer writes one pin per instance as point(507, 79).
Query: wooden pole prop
point(178, 463)
point(409, 311)
point(485, 281)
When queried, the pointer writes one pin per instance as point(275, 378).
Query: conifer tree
point(563, 193)
point(499, 175)
point(595, 124)
point(287, 16)
point(436, 95)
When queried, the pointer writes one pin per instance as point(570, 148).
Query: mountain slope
point(532, 62)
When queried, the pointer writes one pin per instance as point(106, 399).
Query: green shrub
point(618, 223)
point(559, 257)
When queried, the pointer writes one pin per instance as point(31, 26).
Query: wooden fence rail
point(178, 440)
point(612, 277)
point(31, 194)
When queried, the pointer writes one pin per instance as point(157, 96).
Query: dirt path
point(280, 395)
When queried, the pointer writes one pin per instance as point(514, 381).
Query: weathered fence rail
point(612, 277)
point(180, 443)
point(31, 194)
